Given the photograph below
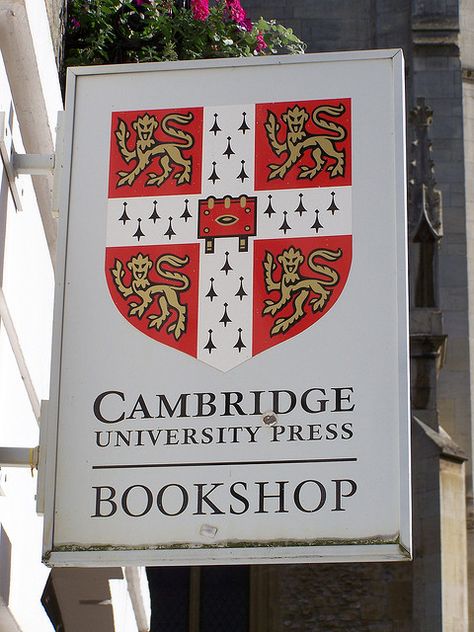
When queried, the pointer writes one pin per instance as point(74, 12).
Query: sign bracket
point(17, 164)
point(19, 457)
point(33, 164)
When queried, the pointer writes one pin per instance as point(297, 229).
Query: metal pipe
point(33, 164)
point(19, 457)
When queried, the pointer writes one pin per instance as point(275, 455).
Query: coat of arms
point(229, 227)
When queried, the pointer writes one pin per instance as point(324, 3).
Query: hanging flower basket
point(121, 31)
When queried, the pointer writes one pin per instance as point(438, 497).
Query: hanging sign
point(230, 364)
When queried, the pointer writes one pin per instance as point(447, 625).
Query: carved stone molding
point(436, 35)
point(424, 207)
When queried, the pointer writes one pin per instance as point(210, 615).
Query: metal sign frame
point(63, 510)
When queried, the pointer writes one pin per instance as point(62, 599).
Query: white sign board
point(230, 379)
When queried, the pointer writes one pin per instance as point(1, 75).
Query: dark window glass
point(224, 599)
point(169, 595)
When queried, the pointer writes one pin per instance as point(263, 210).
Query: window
point(200, 599)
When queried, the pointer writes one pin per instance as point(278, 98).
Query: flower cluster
point(261, 43)
point(200, 9)
point(119, 31)
point(237, 14)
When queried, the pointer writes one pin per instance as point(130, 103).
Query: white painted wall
point(131, 610)
point(30, 97)
point(25, 337)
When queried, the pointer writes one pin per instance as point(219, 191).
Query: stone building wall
point(467, 57)
point(436, 36)
point(329, 598)
point(56, 13)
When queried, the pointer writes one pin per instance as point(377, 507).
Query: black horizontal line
point(217, 463)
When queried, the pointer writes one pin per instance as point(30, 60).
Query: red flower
point(247, 24)
point(200, 9)
point(237, 13)
point(261, 44)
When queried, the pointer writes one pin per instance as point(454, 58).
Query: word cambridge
point(113, 406)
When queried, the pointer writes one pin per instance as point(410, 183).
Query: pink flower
point(75, 24)
point(261, 44)
point(247, 24)
point(200, 9)
point(236, 12)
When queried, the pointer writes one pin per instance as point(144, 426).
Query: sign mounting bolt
point(269, 418)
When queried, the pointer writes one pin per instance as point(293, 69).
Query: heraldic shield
point(229, 228)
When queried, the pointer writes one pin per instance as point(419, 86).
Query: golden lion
point(147, 147)
point(141, 286)
point(293, 283)
point(298, 140)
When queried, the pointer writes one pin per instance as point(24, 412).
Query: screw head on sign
point(269, 418)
